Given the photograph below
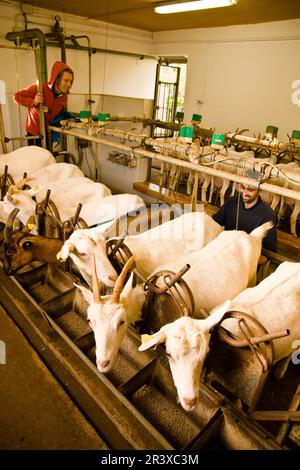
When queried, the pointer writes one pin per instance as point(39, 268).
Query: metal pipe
point(276, 415)
point(199, 131)
point(242, 343)
point(42, 108)
point(252, 140)
point(37, 35)
point(25, 137)
point(28, 36)
point(61, 41)
point(84, 36)
point(107, 51)
point(2, 134)
point(185, 164)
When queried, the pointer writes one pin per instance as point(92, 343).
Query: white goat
point(109, 316)
point(81, 247)
point(54, 172)
point(109, 208)
point(182, 235)
point(242, 269)
point(187, 345)
point(25, 159)
point(66, 194)
point(275, 303)
point(223, 268)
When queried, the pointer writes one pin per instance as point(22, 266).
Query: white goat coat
point(25, 159)
point(220, 270)
point(178, 237)
point(55, 172)
point(109, 208)
point(275, 302)
point(66, 195)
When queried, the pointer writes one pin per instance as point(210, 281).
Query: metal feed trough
point(139, 391)
point(237, 367)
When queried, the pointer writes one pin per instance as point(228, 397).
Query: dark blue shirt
point(233, 215)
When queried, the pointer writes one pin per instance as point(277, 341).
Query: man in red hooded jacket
point(54, 97)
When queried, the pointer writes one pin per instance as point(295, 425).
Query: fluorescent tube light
point(192, 6)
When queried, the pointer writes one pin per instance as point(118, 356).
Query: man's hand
point(39, 98)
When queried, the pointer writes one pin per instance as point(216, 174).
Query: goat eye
point(168, 354)
point(121, 323)
point(26, 245)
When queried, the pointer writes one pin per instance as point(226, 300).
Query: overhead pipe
point(108, 51)
point(184, 164)
point(28, 36)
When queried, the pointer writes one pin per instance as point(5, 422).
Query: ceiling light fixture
point(192, 6)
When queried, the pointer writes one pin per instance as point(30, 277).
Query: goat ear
point(128, 286)
point(152, 340)
point(87, 294)
point(30, 225)
point(64, 253)
point(215, 317)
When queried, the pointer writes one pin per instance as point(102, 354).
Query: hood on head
point(57, 68)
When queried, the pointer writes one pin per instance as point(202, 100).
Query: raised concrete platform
point(36, 413)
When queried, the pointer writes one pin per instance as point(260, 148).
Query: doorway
point(169, 93)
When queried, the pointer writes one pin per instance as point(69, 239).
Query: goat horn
point(9, 227)
point(22, 182)
point(11, 189)
point(240, 131)
point(120, 281)
point(96, 293)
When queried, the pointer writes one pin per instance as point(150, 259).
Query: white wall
point(112, 75)
point(243, 75)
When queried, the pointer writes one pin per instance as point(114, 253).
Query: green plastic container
point(179, 115)
point(273, 130)
point(196, 118)
point(296, 135)
point(187, 133)
point(217, 140)
point(103, 117)
point(84, 116)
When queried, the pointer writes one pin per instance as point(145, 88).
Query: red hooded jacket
point(55, 104)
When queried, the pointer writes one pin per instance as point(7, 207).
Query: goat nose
point(190, 402)
point(103, 364)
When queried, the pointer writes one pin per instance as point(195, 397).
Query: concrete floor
point(36, 413)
